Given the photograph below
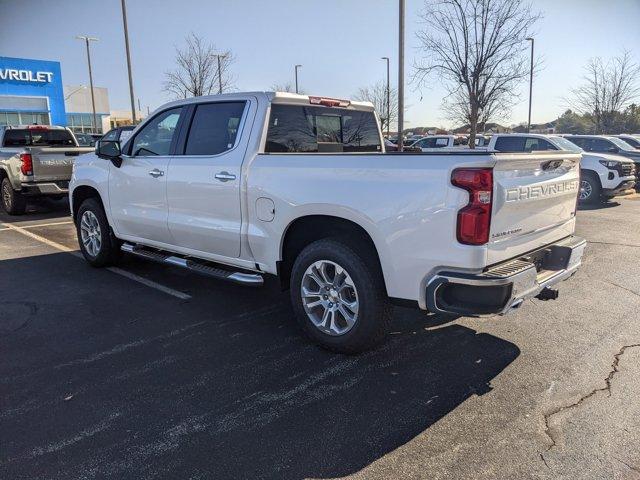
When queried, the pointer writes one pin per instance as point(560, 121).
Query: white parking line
point(68, 222)
point(116, 270)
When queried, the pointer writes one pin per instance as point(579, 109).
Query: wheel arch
point(306, 229)
point(82, 193)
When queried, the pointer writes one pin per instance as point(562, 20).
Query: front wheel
point(339, 298)
point(97, 244)
point(590, 190)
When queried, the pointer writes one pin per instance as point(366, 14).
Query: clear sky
point(338, 42)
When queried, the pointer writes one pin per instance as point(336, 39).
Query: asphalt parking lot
point(149, 372)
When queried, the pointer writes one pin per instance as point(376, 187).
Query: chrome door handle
point(225, 176)
point(156, 173)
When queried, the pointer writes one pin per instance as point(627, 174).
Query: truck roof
point(33, 127)
point(280, 98)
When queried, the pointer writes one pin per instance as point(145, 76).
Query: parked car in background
point(301, 188)
point(482, 140)
point(86, 139)
point(35, 160)
point(119, 134)
point(602, 175)
point(608, 144)
point(633, 140)
point(392, 147)
point(435, 142)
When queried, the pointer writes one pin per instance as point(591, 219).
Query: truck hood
point(606, 156)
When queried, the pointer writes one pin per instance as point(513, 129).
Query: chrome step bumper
point(196, 266)
point(505, 286)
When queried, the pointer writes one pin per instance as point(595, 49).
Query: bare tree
point(200, 70)
point(285, 87)
point(377, 94)
point(608, 88)
point(478, 49)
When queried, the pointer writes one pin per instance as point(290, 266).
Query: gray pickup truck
point(35, 160)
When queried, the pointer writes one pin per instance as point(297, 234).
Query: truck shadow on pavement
point(39, 209)
point(112, 379)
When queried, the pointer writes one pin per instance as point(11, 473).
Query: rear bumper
point(624, 187)
point(504, 286)
point(60, 187)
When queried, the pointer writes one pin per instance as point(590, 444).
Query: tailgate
point(534, 203)
point(54, 164)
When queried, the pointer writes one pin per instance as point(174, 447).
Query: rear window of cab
point(312, 129)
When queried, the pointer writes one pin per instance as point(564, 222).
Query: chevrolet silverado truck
point(35, 161)
point(602, 176)
point(244, 185)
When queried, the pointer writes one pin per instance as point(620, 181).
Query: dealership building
point(32, 92)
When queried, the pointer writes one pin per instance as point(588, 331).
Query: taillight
point(27, 164)
point(474, 220)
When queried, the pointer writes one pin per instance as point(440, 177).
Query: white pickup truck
point(239, 186)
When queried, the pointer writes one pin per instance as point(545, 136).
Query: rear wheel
point(13, 202)
point(339, 299)
point(590, 190)
point(97, 243)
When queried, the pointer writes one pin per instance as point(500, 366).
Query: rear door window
point(311, 129)
point(533, 144)
point(214, 128)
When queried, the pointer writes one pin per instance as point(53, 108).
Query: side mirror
point(614, 150)
point(109, 150)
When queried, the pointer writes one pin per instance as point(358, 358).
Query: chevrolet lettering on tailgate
point(526, 192)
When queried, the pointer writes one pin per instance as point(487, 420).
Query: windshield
point(565, 144)
point(621, 144)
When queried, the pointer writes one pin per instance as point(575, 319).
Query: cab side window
point(601, 145)
point(214, 128)
point(510, 144)
point(156, 137)
point(537, 144)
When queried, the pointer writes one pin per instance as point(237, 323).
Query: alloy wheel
point(90, 233)
point(329, 297)
point(585, 190)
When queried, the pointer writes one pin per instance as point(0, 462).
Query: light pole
point(88, 39)
point(220, 73)
point(126, 46)
point(530, 84)
point(296, 72)
point(388, 97)
point(400, 75)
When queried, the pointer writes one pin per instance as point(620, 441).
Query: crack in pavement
point(623, 288)
point(630, 467)
point(613, 243)
point(607, 388)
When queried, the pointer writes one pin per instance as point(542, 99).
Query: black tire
point(374, 309)
point(109, 249)
point(13, 202)
point(590, 188)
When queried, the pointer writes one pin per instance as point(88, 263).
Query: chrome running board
point(198, 266)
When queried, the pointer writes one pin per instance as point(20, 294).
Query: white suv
point(603, 175)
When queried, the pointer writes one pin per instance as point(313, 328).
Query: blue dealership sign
point(21, 77)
